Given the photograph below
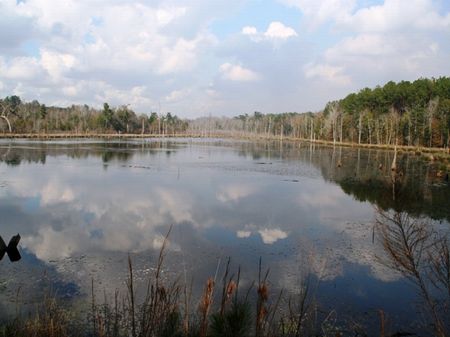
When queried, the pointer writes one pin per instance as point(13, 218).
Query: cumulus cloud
point(333, 74)
point(15, 28)
point(326, 72)
point(270, 236)
point(120, 45)
point(249, 30)
point(320, 12)
point(179, 57)
point(234, 192)
point(177, 95)
point(362, 45)
point(57, 64)
point(380, 58)
point(20, 68)
point(51, 244)
point(390, 15)
point(241, 234)
point(235, 72)
point(135, 96)
point(56, 192)
point(396, 15)
point(391, 40)
point(275, 31)
point(147, 53)
point(88, 226)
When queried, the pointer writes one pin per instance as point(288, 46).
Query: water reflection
point(82, 206)
point(421, 253)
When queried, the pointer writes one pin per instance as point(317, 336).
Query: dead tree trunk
point(7, 121)
point(359, 128)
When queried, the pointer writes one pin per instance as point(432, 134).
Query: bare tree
point(333, 116)
point(4, 114)
point(431, 110)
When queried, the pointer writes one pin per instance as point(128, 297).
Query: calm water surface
point(82, 206)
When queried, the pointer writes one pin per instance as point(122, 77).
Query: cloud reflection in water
point(84, 219)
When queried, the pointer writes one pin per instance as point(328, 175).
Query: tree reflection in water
point(420, 252)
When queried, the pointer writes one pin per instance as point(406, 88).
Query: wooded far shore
point(413, 115)
point(223, 135)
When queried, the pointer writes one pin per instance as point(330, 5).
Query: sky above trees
point(219, 57)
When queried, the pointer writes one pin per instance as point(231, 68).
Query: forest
point(405, 113)
point(33, 117)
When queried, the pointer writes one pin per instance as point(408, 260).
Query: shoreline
point(443, 153)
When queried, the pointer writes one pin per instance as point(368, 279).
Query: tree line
point(33, 117)
point(405, 113)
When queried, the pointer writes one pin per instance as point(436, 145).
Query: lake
point(306, 210)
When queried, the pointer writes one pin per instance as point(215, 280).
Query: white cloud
point(249, 30)
point(391, 15)
point(71, 91)
point(164, 16)
point(56, 192)
point(20, 68)
point(142, 53)
point(330, 200)
point(180, 57)
point(15, 27)
point(158, 241)
point(234, 192)
point(57, 64)
point(135, 96)
point(383, 57)
point(120, 45)
point(270, 236)
point(319, 12)
point(392, 40)
point(396, 15)
point(363, 45)
point(333, 74)
point(243, 234)
point(178, 95)
point(118, 223)
point(238, 73)
point(51, 244)
point(276, 31)
point(176, 204)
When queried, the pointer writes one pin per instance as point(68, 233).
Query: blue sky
point(219, 57)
